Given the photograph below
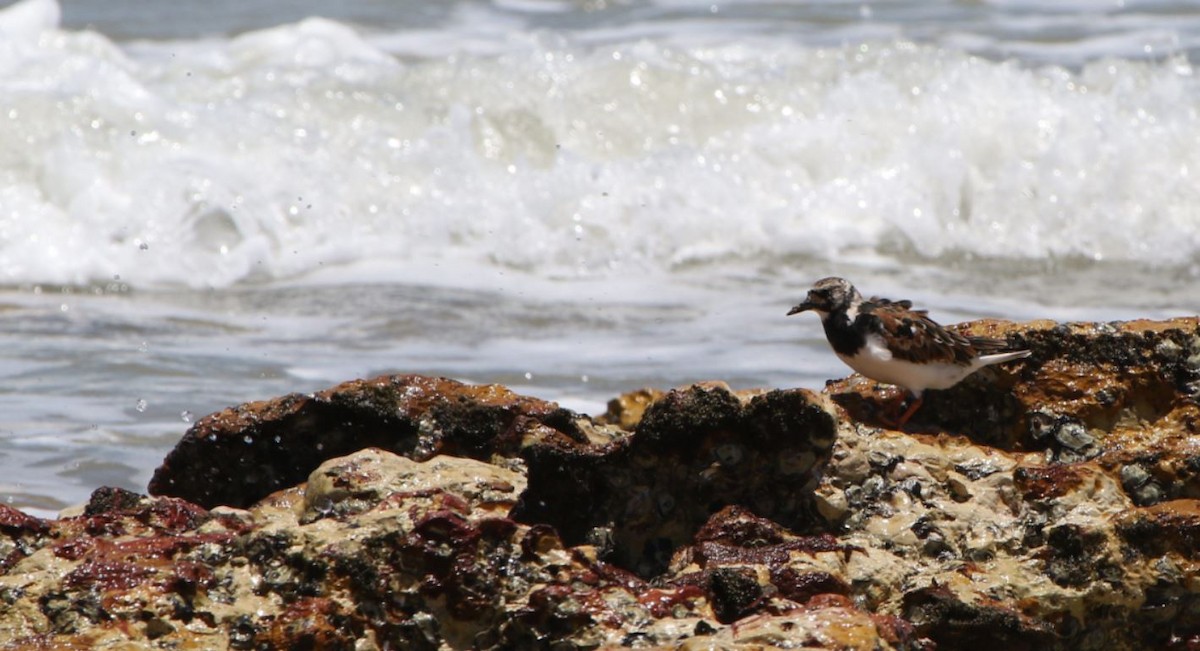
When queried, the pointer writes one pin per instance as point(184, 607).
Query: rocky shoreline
point(1050, 504)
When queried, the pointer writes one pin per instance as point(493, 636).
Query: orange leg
point(908, 413)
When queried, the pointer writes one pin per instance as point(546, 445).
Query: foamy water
point(211, 204)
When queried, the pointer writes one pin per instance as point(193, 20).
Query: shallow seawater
point(205, 204)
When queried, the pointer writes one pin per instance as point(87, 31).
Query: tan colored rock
point(625, 411)
point(1046, 504)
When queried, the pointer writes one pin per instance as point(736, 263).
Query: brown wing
point(911, 335)
point(987, 345)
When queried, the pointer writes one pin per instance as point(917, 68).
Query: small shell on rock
point(1134, 476)
point(882, 461)
point(1139, 484)
point(873, 486)
point(1149, 494)
point(935, 545)
point(602, 539)
point(1073, 436)
point(977, 469)
point(960, 489)
point(1168, 349)
point(912, 486)
point(1041, 425)
point(854, 495)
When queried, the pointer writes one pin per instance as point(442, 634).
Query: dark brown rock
point(626, 410)
point(1170, 527)
point(1105, 377)
point(19, 535)
point(952, 623)
point(645, 493)
point(238, 456)
point(694, 452)
point(1047, 504)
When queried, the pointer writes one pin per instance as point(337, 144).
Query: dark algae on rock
point(1047, 504)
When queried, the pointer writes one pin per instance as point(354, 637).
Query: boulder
point(1050, 503)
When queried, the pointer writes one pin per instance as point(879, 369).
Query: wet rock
point(636, 487)
point(1073, 437)
point(19, 535)
point(1105, 377)
point(953, 623)
point(1140, 484)
point(238, 456)
point(626, 411)
point(1134, 477)
point(1163, 530)
point(1046, 504)
point(764, 451)
point(409, 555)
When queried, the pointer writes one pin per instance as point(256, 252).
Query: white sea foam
point(281, 152)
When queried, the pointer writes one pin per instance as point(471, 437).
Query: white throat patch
point(852, 312)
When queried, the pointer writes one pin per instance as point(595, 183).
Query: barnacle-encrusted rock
point(1010, 518)
point(379, 551)
point(643, 493)
point(693, 452)
point(1123, 394)
point(237, 456)
point(1051, 503)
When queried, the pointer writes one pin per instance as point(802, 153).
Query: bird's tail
point(1000, 358)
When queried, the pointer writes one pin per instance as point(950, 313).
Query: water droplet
point(528, 375)
point(185, 416)
point(141, 405)
point(247, 439)
point(143, 347)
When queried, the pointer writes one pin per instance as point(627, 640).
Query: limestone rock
point(375, 551)
point(1052, 503)
point(639, 495)
point(238, 456)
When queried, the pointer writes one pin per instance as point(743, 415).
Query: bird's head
point(828, 295)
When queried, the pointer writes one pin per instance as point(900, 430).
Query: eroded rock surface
point(237, 456)
point(1048, 504)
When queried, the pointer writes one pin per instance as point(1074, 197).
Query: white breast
point(876, 362)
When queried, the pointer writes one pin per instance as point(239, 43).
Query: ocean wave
point(280, 152)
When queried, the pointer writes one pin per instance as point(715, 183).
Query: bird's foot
point(889, 417)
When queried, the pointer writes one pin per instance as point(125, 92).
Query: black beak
point(800, 308)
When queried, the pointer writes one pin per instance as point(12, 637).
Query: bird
point(890, 342)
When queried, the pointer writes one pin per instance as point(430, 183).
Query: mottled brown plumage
point(890, 342)
point(911, 335)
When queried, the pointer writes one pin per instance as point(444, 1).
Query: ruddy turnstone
point(890, 342)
